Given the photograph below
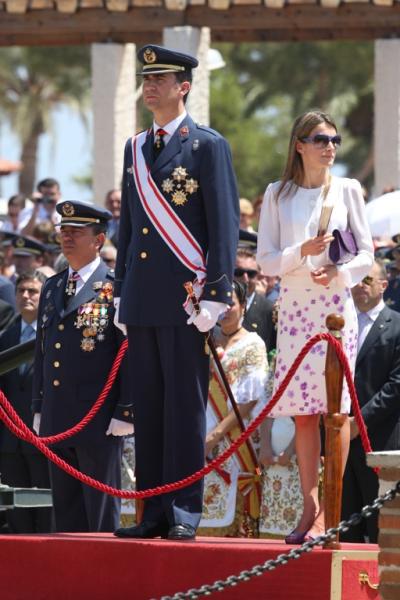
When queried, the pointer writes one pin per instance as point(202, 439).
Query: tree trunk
point(27, 178)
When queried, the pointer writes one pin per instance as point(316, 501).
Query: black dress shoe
point(145, 530)
point(182, 532)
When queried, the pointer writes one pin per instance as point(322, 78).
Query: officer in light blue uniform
point(76, 345)
point(191, 167)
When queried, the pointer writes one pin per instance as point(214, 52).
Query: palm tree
point(34, 82)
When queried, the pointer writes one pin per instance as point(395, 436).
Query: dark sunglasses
point(251, 273)
point(320, 140)
point(370, 280)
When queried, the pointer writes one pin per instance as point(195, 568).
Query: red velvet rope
point(18, 427)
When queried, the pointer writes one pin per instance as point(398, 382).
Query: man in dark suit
point(21, 465)
point(377, 380)
point(179, 219)
point(259, 310)
point(75, 348)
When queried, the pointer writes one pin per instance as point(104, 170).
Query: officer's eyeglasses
point(320, 140)
point(251, 273)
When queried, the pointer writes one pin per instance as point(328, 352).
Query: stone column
point(114, 112)
point(387, 115)
point(194, 41)
point(389, 524)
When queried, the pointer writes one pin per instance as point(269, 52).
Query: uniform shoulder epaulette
point(55, 277)
point(110, 274)
point(208, 129)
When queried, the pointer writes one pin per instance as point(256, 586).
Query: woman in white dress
point(311, 287)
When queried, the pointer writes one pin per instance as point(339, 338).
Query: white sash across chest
point(168, 224)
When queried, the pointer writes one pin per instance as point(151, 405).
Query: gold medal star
point(191, 186)
point(167, 186)
point(179, 198)
point(179, 174)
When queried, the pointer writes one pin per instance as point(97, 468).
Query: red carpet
point(101, 567)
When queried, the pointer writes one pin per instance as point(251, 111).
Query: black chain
point(283, 559)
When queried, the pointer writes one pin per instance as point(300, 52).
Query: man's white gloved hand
point(117, 427)
point(117, 323)
point(36, 423)
point(208, 315)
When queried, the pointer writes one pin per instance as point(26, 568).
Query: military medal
point(191, 186)
point(167, 186)
point(92, 317)
point(179, 198)
point(180, 186)
point(179, 174)
point(88, 344)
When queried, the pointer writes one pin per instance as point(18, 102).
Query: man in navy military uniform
point(76, 346)
point(179, 222)
point(28, 253)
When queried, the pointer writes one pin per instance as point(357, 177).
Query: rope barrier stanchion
point(18, 427)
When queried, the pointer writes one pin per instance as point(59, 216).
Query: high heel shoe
point(296, 537)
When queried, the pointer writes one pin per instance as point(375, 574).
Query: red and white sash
point(170, 227)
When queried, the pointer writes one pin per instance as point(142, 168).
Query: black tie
point(71, 287)
point(159, 143)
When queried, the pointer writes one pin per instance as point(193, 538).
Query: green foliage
point(263, 87)
point(34, 81)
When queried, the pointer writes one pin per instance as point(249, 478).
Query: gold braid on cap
point(161, 66)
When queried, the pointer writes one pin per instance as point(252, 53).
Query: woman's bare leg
point(308, 450)
point(319, 524)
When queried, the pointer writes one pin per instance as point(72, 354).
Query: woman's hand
point(266, 458)
point(284, 458)
point(324, 275)
point(316, 245)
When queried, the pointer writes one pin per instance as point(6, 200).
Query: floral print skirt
point(303, 308)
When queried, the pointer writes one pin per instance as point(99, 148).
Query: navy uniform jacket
point(18, 389)
point(67, 379)
point(148, 276)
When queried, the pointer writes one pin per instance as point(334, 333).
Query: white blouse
point(286, 223)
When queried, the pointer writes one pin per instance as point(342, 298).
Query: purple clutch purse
point(343, 248)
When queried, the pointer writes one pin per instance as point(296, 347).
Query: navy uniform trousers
point(170, 370)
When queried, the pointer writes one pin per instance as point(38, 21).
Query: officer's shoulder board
point(110, 274)
point(208, 129)
point(53, 279)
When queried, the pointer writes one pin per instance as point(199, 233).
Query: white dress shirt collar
point(375, 311)
point(170, 127)
point(85, 273)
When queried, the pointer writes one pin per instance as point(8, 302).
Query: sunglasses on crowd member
point(251, 273)
point(320, 140)
point(370, 280)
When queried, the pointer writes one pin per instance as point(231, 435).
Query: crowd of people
point(78, 278)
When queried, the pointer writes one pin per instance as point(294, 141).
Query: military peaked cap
point(80, 214)
point(25, 246)
point(157, 59)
